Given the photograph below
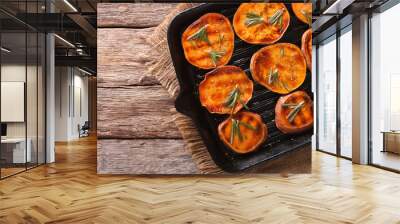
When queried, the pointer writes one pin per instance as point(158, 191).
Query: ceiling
point(75, 23)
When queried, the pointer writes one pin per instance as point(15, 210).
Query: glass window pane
point(31, 97)
point(385, 89)
point(346, 94)
point(13, 88)
point(41, 98)
point(327, 96)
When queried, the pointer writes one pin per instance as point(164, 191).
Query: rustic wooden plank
point(124, 57)
point(143, 156)
point(135, 112)
point(138, 15)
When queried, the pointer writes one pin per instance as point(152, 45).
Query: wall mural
point(243, 86)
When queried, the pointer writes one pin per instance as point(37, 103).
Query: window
point(385, 89)
point(22, 78)
point(346, 73)
point(326, 92)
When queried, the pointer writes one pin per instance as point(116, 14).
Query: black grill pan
point(263, 101)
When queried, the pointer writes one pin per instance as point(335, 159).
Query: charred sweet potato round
point(306, 47)
point(281, 67)
point(243, 132)
point(303, 12)
point(225, 90)
point(294, 113)
point(261, 23)
point(209, 41)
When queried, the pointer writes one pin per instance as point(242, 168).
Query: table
point(16, 148)
point(391, 141)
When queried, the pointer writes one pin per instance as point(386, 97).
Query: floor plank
point(70, 191)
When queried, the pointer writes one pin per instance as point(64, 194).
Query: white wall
point(70, 84)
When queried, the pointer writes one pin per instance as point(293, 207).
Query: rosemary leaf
point(247, 126)
point(233, 131)
point(289, 105)
point(276, 17)
point(293, 113)
point(215, 56)
point(308, 16)
point(201, 35)
point(280, 23)
point(273, 76)
point(245, 106)
point(239, 134)
point(253, 19)
point(233, 97)
point(220, 40)
point(284, 85)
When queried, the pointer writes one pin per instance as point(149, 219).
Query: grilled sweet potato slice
point(209, 41)
point(261, 23)
point(306, 47)
point(294, 113)
point(281, 67)
point(225, 90)
point(303, 12)
point(243, 132)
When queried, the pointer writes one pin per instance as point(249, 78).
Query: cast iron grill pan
point(263, 101)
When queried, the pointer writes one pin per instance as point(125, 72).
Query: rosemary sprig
point(253, 19)
point(216, 55)
point(296, 109)
point(273, 76)
point(247, 126)
point(289, 105)
point(201, 35)
point(308, 16)
point(233, 98)
point(235, 129)
point(277, 18)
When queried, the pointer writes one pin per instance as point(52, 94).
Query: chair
point(84, 130)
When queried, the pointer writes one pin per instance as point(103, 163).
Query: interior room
point(93, 130)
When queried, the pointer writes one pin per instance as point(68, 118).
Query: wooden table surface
point(135, 128)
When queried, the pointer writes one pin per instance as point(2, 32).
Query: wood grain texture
point(124, 56)
point(70, 191)
point(138, 15)
point(135, 112)
point(144, 156)
point(131, 103)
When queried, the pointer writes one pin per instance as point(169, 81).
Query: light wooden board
point(142, 150)
point(124, 57)
point(135, 128)
point(135, 112)
point(139, 15)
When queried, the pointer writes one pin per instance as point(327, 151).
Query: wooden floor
point(69, 191)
